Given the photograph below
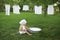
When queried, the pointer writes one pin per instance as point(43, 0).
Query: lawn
point(50, 25)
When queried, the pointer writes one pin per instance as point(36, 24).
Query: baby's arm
point(20, 28)
point(27, 30)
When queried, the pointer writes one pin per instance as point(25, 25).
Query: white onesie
point(23, 28)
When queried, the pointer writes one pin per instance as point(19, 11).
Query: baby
point(23, 28)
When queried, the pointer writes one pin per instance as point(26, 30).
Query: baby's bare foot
point(30, 34)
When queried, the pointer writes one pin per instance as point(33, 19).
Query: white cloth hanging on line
point(25, 7)
point(38, 9)
point(50, 10)
point(7, 9)
point(16, 9)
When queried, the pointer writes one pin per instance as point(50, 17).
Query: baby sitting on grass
point(23, 28)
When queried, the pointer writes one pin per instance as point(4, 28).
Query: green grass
point(50, 25)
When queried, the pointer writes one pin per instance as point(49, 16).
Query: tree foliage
point(31, 3)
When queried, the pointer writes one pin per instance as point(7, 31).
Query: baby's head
point(23, 22)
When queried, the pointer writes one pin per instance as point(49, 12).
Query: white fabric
point(16, 9)
point(23, 28)
point(7, 9)
point(50, 10)
point(25, 7)
point(23, 21)
point(35, 9)
point(21, 32)
point(38, 9)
